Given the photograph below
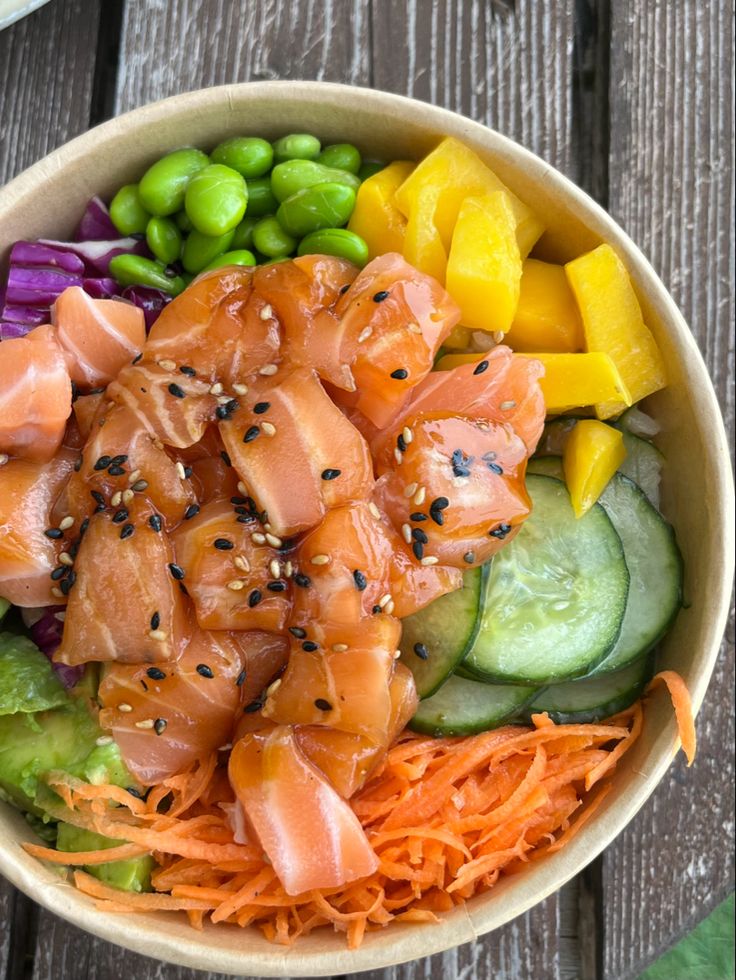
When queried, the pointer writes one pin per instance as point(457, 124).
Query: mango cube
point(375, 216)
point(423, 246)
point(577, 380)
point(592, 454)
point(547, 317)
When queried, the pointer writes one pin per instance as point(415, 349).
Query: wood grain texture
point(47, 64)
point(671, 187)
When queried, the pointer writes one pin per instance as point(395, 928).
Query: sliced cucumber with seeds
point(435, 639)
point(643, 465)
point(555, 597)
point(591, 698)
point(464, 707)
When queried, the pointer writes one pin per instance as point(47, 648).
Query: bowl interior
point(47, 200)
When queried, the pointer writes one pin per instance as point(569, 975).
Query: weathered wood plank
point(671, 173)
point(47, 65)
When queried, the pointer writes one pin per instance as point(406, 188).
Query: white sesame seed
point(398, 456)
point(266, 312)
point(419, 496)
point(268, 429)
point(410, 490)
point(415, 328)
point(365, 334)
point(406, 531)
point(236, 585)
point(273, 540)
point(242, 489)
point(181, 472)
point(320, 559)
point(125, 708)
point(275, 569)
point(288, 569)
point(429, 560)
point(128, 495)
point(482, 424)
point(65, 523)
point(4, 458)
point(240, 389)
point(339, 647)
point(60, 617)
point(159, 635)
point(397, 654)
point(272, 688)
point(104, 740)
point(56, 592)
point(407, 435)
point(258, 538)
point(65, 558)
point(268, 369)
point(507, 406)
point(223, 399)
point(266, 526)
point(226, 747)
point(116, 498)
point(389, 608)
point(167, 365)
point(384, 600)
point(134, 476)
point(374, 510)
point(242, 563)
point(216, 388)
point(146, 723)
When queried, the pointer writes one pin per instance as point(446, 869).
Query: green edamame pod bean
point(342, 156)
point(243, 234)
point(296, 146)
point(370, 167)
point(239, 257)
point(183, 221)
point(249, 155)
point(127, 213)
point(270, 238)
point(322, 206)
point(260, 198)
point(216, 199)
point(162, 186)
point(164, 239)
point(335, 241)
point(200, 250)
point(295, 175)
point(135, 270)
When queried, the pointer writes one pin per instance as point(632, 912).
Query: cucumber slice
point(643, 465)
point(555, 597)
point(592, 698)
point(443, 632)
point(655, 566)
point(463, 707)
point(546, 466)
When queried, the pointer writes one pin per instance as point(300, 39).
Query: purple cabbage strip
point(46, 634)
point(36, 286)
point(10, 331)
point(96, 254)
point(105, 288)
point(36, 254)
point(150, 300)
point(96, 223)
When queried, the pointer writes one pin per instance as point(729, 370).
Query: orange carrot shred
point(683, 709)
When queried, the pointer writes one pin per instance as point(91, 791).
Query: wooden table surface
point(632, 99)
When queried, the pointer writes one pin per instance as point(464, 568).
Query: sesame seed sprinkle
point(155, 674)
point(126, 531)
point(223, 544)
point(102, 463)
point(128, 495)
point(135, 475)
point(410, 490)
point(400, 374)
point(469, 557)
point(275, 568)
point(4, 458)
point(384, 600)
point(374, 510)
point(414, 328)
point(116, 498)
point(241, 678)
point(398, 456)
point(158, 635)
point(419, 496)
point(320, 559)
point(181, 472)
point(418, 549)
point(205, 671)
point(364, 334)
point(407, 435)
point(236, 585)
point(140, 485)
point(167, 365)
point(125, 707)
point(310, 646)
point(421, 651)
point(216, 388)
point(380, 296)
point(177, 571)
point(298, 632)
point(155, 621)
point(322, 704)
point(406, 531)
point(189, 371)
point(176, 391)
point(241, 563)
point(65, 523)
point(268, 370)
point(429, 560)
point(330, 474)
point(159, 726)
point(273, 540)
point(260, 407)
point(240, 389)
point(361, 582)
point(254, 598)
point(251, 433)
point(268, 429)
point(389, 608)
point(418, 516)
point(146, 723)
point(258, 538)
point(266, 312)
point(288, 569)
point(56, 592)
point(480, 367)
point(339, 647)
point(507, 406)
point(302, 580)
point(155, 522)
point(59, 572)
point(272, 688)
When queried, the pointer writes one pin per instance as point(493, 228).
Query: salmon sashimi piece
point(174, 407)
point(212, 479)
point(99, 336)
point(349, 760)
point(302, 293)
point(179, 712)
point(297, 453)
point(266, 656)
point(309, 833)
point(413, 585)
point(125, 603)
point(234, 576)
point(121, 458)
point(467, 478)
point(343, 686)
point(499, 386)
point(87, 408)
point(30, 542)
point(218, 328)
point(394, 319)
point(35, 395)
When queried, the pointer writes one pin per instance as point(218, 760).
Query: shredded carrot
point(446, 817)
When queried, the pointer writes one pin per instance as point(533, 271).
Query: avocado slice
point(27, 680)
point(133, 875)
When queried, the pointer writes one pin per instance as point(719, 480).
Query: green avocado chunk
point(133, 875)
point(27, 680)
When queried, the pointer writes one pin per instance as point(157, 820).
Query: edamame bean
point(322, 206)
point(239, 257)
point(200, 250)
point(127, 213)
point(183, 221)
point(294, 175)
point(270, 238)
point(335, 241)
point(342, 156)
point(164, 239)
point(250, 156)
point(216, 199)
point(260, 198)
point(162, 186)
point(243, 234)
point(369, 168)
point(296, 146)
point(135, 270)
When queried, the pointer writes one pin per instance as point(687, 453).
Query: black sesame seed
point(310, 646)
point(418, 534)
point(437, 517)
point(254, 598)
point(119, 460)
point(460, 470)
point(54, 533)
point(97, 497)
point(500, 532)
point(380, 296)
point(183, 589)
point(159, 726)
point(246, 519)
point(187, 472)
point(191, 511)
point(421, 651)
point(126, 531)
point(83, 527)
point(260, 407)
point(155, 522)
point(155, 621)
point(495, 468)
point(102, 463)
point(74, 549)
point(401, 443)
point(131, 789)
point(360, 580)
point(204, 671)
point(254, 706)
point(120, 516)
point(418, 549)
point(298, 632)
point(330, 474)
point(252, 433)
point(177, 571)
point(78, 464)
point(303, 581)
point(59, 572)
point(232, 406)
point(225, 458)
point(418, 516)
point(116, 471)
point(176, 391)
point(376, 610)
point(66, 584)
point(469, 557)
point(344, 289)
point(155, 673)
point(322, 704)
point(241, 678)
point(276, 586)
point(239, 501)
point(140, 485)
point(222, 544)
point(480, 367)
point(189, 371)
point(222, 413)
point(135, 361)
point(400, 374)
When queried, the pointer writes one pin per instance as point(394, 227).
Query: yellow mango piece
point(423, 246)
point(484, 265)
point(576, 380)
point(592, 454)
point(375, 216)
point(613, 324)
point(460, 173)
point(547, 317)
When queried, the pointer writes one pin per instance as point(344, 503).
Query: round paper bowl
point(47, 200)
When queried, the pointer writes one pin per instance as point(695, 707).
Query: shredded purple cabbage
point(150, 300)
point(96, 254)
point(46, 634)
point(96, 223)
point(104, 288)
